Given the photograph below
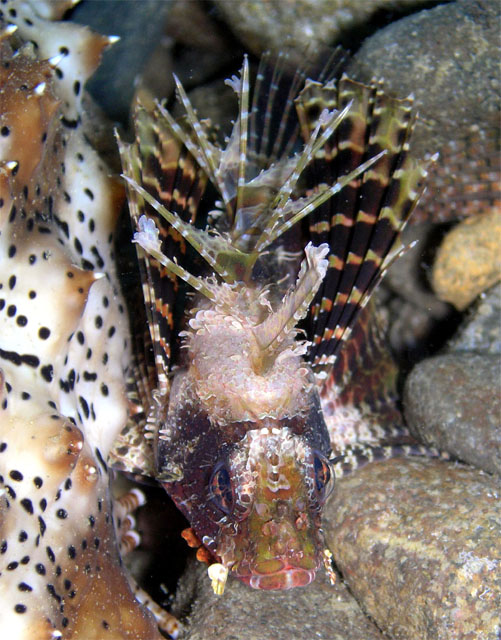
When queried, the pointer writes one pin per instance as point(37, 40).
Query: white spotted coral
point(63, 344)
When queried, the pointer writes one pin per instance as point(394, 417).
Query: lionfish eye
point(324, 476)
point(220, 488)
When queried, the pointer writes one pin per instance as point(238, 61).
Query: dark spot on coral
point(51, 589)
point(43, 333)
point(50, 554)
point(43, 504)
point(22, 586)
point(25, 395)
point(24, 560)
point(23, 536)
point(11, 310)
point(101, 460)
point(80, 337)
point(37, 481)
point(104, 389)
point(16, 475)
point(27, 505)
point(40, 569)
point(12, 565)
point(98, 322)
point(12, 251)
point(72, 552)
point(47, 372)
point(3, 546)
point(62, 514)
point(32, 294)
point(5, 131)
point(42, 525)
point(20, 608)
point(21, 321)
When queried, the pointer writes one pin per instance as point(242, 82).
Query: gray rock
point(319, 611)
point(419, 544)
point(276, 24)
point(140, 25)
point(481, 332)
point(454, 403)
point(448, 57)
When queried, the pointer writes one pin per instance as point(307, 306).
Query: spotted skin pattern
point(64, 345)
point(313, 197)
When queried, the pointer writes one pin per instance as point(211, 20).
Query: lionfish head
point(272, 489)
point(243, 445)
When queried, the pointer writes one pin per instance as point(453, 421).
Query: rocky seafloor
point(416, 543)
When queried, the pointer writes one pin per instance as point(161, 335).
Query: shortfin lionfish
point(281, 382)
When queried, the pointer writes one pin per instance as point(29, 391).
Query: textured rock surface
point(318, 611)
point(275, 24)
point(447, 57)
point(482, 330)
point(140, 26)
point(419, 543)
point(415, 311)
point(454, 402)
point(468, 261)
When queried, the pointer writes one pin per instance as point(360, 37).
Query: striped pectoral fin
point(163, 166)
point(363, 222)
point(358, 455)
point(363, 379)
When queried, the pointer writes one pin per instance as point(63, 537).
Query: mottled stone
point(447, 57)
point(319, 611)
point(415, 311)
point(468, 261)
point(419, 544)
point(481, 332)
point(275, 24)
point(140, 26)
point(454, 402)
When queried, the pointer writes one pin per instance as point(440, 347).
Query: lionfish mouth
point(287, 578)
point(276, 574)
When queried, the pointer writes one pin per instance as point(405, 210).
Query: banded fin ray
point(170, 176)
point(363, 223)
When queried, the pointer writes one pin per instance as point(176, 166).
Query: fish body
point(314, 188)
